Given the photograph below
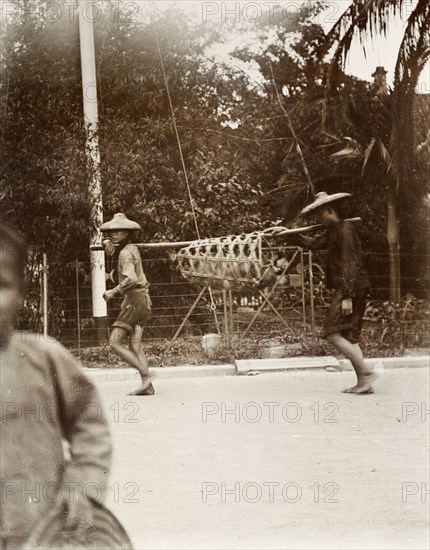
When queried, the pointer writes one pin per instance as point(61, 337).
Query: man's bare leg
point(136, 348)
point(118, 342)
point(365, 376)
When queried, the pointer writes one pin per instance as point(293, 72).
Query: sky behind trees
point(247, 13)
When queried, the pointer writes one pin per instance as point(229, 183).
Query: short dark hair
point(13, 243)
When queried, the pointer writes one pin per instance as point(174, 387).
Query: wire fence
point(59, 304)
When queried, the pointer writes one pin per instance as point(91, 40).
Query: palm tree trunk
point(393, 238)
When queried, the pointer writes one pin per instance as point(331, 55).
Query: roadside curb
point(256, 366)
point(393, 362)
point(187, 371)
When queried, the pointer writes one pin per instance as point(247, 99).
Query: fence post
point(226, 323)
point(311, 292)
point(303, 289)
point(230, 304)
point(45, 294)
point(78, 308)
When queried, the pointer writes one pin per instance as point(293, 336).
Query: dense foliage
point(243, 142)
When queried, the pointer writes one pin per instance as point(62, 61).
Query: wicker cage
point(232, 262)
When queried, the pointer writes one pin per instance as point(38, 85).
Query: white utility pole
point(89, 89)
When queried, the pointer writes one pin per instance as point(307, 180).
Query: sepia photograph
point(215, 274)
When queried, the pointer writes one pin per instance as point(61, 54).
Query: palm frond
point(415, 48)
point(376, 150)
point(367, 154)
point(384, 155)
point(289, 197)
point(364, 17)
point(351, 150)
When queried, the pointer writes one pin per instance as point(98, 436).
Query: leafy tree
point(396, 151)
point(294, 72)
point(43, 180)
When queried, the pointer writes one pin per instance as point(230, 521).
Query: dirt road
point(272, 461)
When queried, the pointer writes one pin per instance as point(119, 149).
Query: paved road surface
point(272, 461)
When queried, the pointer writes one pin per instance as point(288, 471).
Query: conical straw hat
point(120, 222)
point(323, 198)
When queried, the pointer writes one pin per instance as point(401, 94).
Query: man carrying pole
point(346, 274)
point(133, 287)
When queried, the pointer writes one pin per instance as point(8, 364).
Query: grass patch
point(268, 340)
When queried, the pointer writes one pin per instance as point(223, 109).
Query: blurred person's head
point(12, 264)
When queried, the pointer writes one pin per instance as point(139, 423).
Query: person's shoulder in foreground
point(48, 401)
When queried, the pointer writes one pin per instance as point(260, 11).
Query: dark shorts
point(348, 325)
point(135, 310)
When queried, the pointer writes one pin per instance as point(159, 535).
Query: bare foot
point(149, 391)
point(360, 389)
point(364, 384)
point(143, 389)
point(371, 378)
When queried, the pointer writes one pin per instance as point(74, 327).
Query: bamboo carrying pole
point(276, 232)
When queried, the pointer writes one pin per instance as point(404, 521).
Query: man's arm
point(109, 247)
point(312, 243)
point(350, 248)
point(127, 272)
point(85, 428)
